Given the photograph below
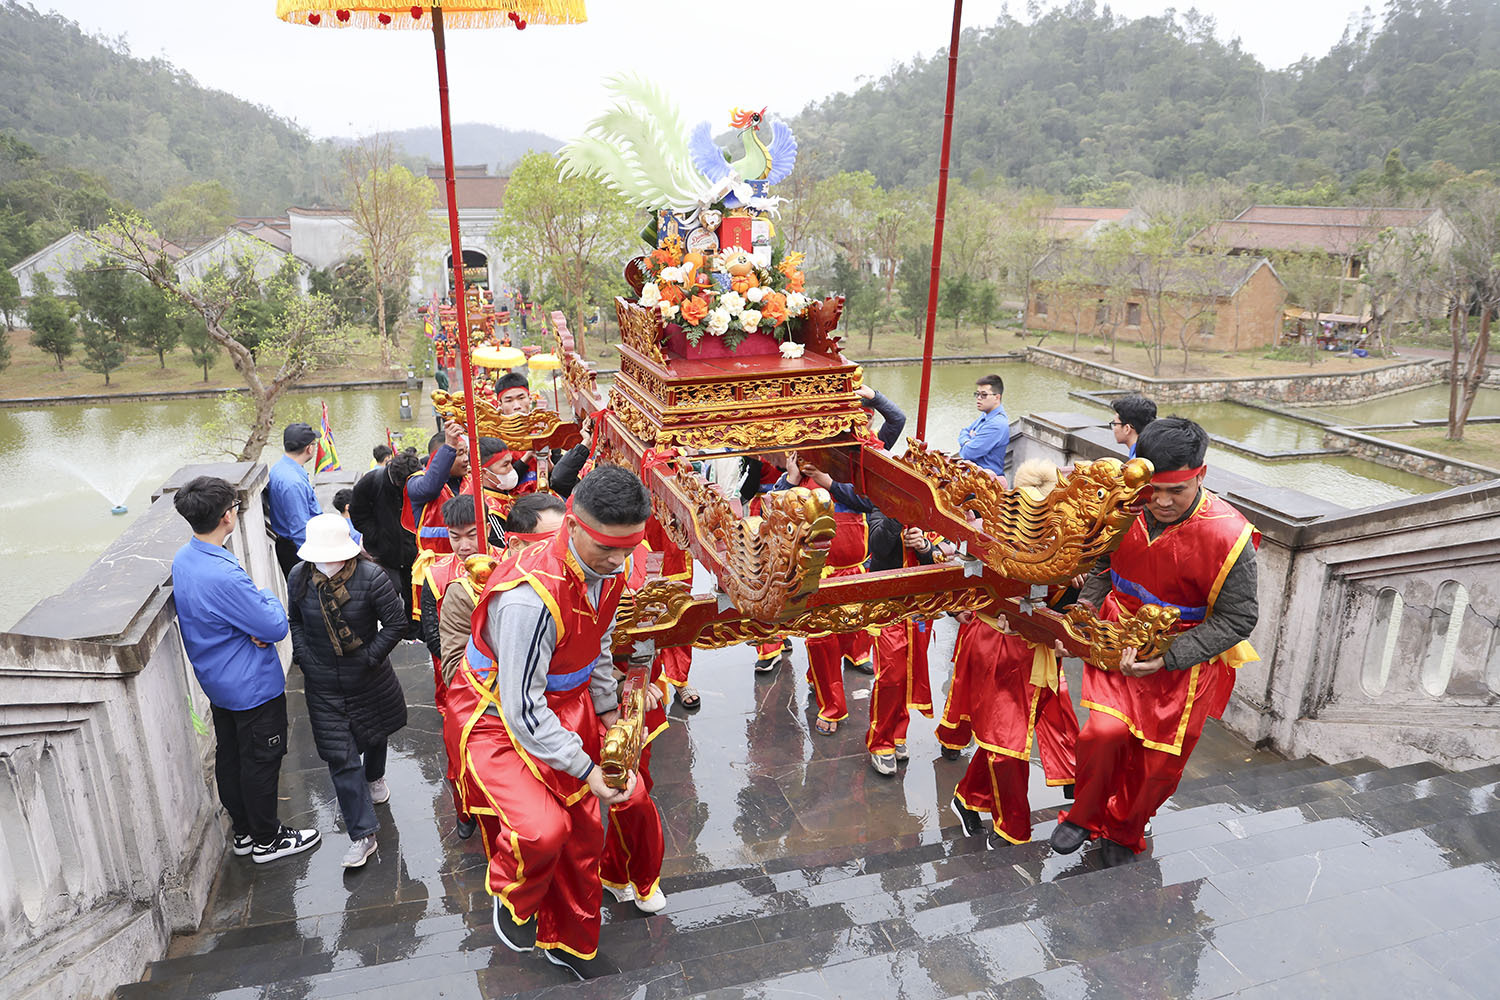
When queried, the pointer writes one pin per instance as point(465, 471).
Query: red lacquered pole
point(937, 224)
point(458, 276)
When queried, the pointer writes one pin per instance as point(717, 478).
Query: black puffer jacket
point(357, 696)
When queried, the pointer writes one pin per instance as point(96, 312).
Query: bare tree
point(388, 207)
point(300, 332)
point(1475, 213)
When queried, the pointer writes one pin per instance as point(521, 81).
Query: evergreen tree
point(102, 352)
point(913, 279)
point(10, 297)
point(4, 350)
point(155, 324)
point(985, 309)
point(200, 343)
point(106, 297)
point(953, 298)
point(51, 321)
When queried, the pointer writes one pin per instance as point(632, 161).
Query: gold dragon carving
point(833, 618)
point(657, 605)
point(620, 753)
point(519, 431)
point(780, 433)
point(774, 560)
point(1047, 540)
point(1150, 630)
point(640, 330)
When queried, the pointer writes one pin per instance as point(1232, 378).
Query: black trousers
point(286, 554)
point(247, 765)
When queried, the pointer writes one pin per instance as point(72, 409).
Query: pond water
point(1427, 403)
point(74, 462)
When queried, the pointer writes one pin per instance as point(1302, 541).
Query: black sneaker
point(1067, 792)
point(766, 664)
point(970, 820)
point(243, 844)
point(951, 753)
point(1114, 855)
point(465, 827)
point(583, 968)
point(1068, 837)
point(517, 937)
point(287, 842)
point(865, 666)
point(786, 649)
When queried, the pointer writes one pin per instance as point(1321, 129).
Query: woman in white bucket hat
point(346, 617)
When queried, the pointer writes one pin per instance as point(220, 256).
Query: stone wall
point(1399, 456)
point(110, 830)
point(1379, 630)
point(1293, 390)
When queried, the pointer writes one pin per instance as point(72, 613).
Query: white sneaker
point(901, 752)
point(288, 841)
point(883, 763)
point(359, 852)
point(654, 903)
point(622, 895)
point(380, 792)
point(243, 844)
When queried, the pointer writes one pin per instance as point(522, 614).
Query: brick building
point(1220, 302)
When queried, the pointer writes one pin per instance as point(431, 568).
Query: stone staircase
point(1285, 879)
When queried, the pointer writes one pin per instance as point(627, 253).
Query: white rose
point(668, 311)
point(672, 274)
point(796, 303)
point(732, 303)
point(750, 318)
point(756, 294)
point(650, 295)
point(718, 322)
point(790, 350)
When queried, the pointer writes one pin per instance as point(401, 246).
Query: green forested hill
point(145, 126)
point(1079, 97)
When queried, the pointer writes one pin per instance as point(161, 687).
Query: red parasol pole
point(937, 225)
point(456, 240)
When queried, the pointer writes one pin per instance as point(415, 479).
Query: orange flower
point(773, 308)
point(742, 283)
point(694, 310)
point(662, 258)
point(794, 281)
point(671, 293)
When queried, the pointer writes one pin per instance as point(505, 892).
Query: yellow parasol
point(547, 363)
point(498, 357)
point(388, 14)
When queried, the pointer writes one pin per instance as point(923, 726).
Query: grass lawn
point(1481, 443)
point(33, 373)
point(1131, 356)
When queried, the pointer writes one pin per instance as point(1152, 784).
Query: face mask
point(328, 569)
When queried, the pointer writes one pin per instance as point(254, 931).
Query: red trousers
point(825, 669)
point(766, 650)
point(543, 853)
point(1121, 781)
point(900, 685)
point(452, 728)
point(633, 844)
point(996, 783)
point(675, 661)
point(954, 730)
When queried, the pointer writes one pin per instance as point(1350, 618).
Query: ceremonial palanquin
point(725, 354)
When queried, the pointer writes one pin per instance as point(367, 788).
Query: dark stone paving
point(793, 869)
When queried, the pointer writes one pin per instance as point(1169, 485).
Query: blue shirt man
point(227, 626)
point(292, 501)
point(984, 442)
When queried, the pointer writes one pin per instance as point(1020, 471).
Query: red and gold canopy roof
point(456, 13)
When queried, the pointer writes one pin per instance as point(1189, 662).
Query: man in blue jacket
point(228, 626)
point(985, 441)
point(291, 499)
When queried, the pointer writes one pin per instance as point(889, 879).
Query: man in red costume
point(1190, 550)
point(434, 577)
point(537, 692)
point(447, 476)
point(901, 682)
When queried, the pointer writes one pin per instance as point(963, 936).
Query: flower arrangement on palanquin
point(722, 344)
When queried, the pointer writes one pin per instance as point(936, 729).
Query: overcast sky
point(782, 53)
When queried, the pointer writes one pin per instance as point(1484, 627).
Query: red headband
point(531, 536)
point(1177, 476)
point(629, 541)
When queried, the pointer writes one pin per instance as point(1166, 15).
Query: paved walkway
point(741, 780)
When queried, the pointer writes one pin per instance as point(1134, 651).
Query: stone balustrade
point(110, 830)
point(1379, 630)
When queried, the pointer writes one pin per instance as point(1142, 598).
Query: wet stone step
point(839, 897)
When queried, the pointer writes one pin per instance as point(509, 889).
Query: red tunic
point(554, 573)
point(1184, 567)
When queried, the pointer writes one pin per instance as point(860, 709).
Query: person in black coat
point(346, 617)
point(375, 512)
